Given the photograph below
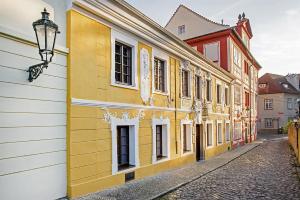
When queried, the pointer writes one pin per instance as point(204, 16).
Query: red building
point(229, 47)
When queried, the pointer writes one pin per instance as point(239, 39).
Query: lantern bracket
point(36, 70)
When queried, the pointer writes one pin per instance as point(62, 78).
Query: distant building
point(228, 47)
point(277, 100)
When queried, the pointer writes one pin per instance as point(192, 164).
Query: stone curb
point(197, 177)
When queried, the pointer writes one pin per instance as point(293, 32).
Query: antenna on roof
point(222, 21)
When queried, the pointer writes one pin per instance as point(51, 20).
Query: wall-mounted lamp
point(45, 32)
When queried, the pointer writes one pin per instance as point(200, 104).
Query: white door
point(32, 125)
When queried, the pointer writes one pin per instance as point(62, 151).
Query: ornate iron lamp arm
point(36, 70)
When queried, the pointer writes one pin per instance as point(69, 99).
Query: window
point(219, 129)
point(247, 99)
point(268, 104)
point(237, 131)
point(226, 96)
point(159, 75)
point(123, 147)
point(290, 103)
point(181, 29)
point(185, 83)
point(160, 139)
point(246, 67)
point(262, 85)
point(209, 140)
point(268, 123)
point(186, 138)
point(123, 64)
point(236, 56)
point(159, 144)
point(212, 51)
point(219, 94)
point(227, 132)
point(198, 87)
point(208, 90)
point(237, 95)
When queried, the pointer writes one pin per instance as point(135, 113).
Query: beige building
point(277, 101)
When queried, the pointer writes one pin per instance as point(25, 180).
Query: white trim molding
point(212, 134)
point(189, 122)
point(145, 75)
point(165, 122)
point(217, 130)
point(131, 42)
point(133, 124)
point(227, 122)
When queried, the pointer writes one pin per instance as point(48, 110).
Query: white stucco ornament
point(145, 75)
point(197, 107)
point(109, 117)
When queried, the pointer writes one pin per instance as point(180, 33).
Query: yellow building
point(140, 100)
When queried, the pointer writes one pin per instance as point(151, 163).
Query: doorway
point(199, 142)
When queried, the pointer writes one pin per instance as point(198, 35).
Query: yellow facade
point(91, 95)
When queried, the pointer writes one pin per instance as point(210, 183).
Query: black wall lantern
point(45, 32)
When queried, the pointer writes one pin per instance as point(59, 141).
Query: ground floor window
point(237, 130)
point(219, 132)
point(161, 139)
point(186, 138)
point(209, 140)
point(227, 131)
point(123, 149)
point(268, 123)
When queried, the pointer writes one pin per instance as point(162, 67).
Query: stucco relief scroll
point(145, 75)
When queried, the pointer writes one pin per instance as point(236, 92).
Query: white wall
point(32, 115)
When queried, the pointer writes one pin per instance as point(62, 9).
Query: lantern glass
point(40, 33)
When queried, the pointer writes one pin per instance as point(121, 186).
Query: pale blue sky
point(275, 25)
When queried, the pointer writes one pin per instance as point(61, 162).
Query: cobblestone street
point(266, 172)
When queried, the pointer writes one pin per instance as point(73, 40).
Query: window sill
point(209, 147)
point(126, 169)
point(186, 153)
point(161, 93)
point(186, 98)
point(125, 86)
point(219, 144)
point(161, 159)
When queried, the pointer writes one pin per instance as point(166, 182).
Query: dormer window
point(285, 85)
point(262, 85)
point(181, 29)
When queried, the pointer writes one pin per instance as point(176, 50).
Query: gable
point(195, 24)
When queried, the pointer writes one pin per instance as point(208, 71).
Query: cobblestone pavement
point(266, 172)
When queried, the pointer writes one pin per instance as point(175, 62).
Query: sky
point(275, 25)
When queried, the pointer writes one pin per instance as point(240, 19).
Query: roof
point(197, 14)
point(275, 84)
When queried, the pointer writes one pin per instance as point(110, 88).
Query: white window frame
point(133, 143)
point(267, 125)
point(219, 56)
point(212, 134)
point(164, 57)
point(268, 104)
point(190, 132)
point(210, 90)
point(228, 96)
point(220, 95)
point(236, 56)
point(181, 29)
point(219, 122)
point(165, 122)
point(290, 103)
point(227, 124)
point(189, 84)
point(133, 43)
point(200, 87)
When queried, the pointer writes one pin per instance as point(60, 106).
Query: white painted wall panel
point(31, 119)
point(23, 63)
point(31, 133)
point(38, 184)
point(10, 150)
point(31, 106)
point(26, 50)
point(25, 163)
point(21, 77)
point(32, 116)
point(31, 92)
